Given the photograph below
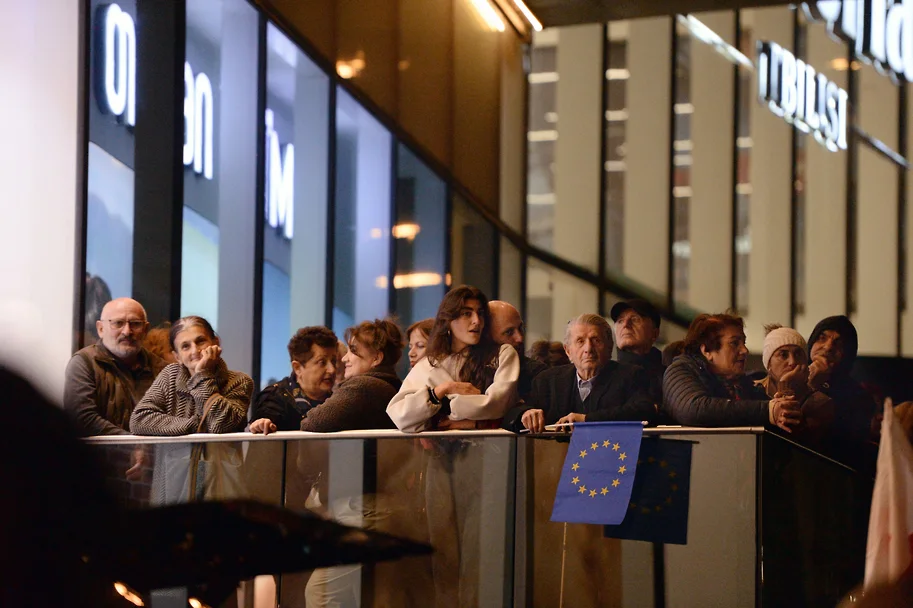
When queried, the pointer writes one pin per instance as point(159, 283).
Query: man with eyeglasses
point(105, 380)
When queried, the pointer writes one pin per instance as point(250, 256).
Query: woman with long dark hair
point(464, 376)
point(465, 381)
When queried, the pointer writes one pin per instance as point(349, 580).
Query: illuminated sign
point(879, 31)
point(280, 181)
point(118, 93)
point(802, 96)
point(198, 122)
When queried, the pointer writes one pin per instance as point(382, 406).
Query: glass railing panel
point(454, 492)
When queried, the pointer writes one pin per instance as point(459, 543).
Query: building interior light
point(528, 15)
point(195, 603)
point(488, 15)
point(448, 279)
point(546, 135)
point(616, 166)
point(683, 108)
point(350, 68)
point(377, 233)
point(128, 594)
point(381, 282)
point(616, 115)
point(542, 77)
point(683, 145)
point(413, 280)
point(551, 117)
point(547, 198)
point(406, 231)
point(617, 74)
point(841, 64)
point(682, 192)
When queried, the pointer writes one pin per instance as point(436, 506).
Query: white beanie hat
point(782, 336)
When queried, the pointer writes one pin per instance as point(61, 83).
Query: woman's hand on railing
point(262, 426)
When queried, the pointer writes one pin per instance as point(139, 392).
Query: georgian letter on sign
point(119, 63)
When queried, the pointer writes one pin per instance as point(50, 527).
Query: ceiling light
point(488, 15)
point(528, 14)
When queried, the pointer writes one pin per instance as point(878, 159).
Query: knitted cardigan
point(173, 405)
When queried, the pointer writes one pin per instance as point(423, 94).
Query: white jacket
point(411, 408)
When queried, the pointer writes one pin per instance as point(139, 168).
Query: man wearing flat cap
point(636, 330)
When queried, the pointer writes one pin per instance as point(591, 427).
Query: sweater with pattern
point(173, 405)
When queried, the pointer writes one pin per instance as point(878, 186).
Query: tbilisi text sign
point(802, 96)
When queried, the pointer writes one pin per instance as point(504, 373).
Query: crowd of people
point(469, 370)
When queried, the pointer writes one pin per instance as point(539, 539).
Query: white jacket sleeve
point(500, 396)
point(411, 408)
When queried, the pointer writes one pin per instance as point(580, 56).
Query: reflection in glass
point(363, 213)
point(542, 133)
point(681, 167)
point(419, 234)
point(473, 249)
point(294, 200)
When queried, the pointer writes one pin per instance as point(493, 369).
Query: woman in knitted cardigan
point(199, 394)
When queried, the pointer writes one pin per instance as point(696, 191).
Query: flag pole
point(563, 557)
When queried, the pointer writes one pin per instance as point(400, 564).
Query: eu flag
point(598, 473)
point(658, 511)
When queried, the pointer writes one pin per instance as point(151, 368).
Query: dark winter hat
point(641, 307)
point(845, 328)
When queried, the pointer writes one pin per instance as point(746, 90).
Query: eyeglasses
point(118, 324)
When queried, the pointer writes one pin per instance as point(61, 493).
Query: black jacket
point(529, 369)
point(694, 396)
point(617, 394)
point(652, 363)
point(284, 404)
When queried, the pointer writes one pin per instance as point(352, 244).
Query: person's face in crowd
point(360, 359)
point(785, 359)
point(635, 333)
point(467, 327)
point(122, 327)
point(588, 348)
point(317, 377)
point(189, 345)
point(829, 347)
point(418, 342)
point(506, 325)
point(730, 358)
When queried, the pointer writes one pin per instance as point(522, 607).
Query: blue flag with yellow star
point(598, 473)
point(658, 511)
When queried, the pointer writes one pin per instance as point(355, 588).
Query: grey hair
point(188, 322)
point(589, 319)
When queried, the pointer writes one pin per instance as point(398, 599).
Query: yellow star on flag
point(606, 443)
point(583, 453)
point(674, 487)
point(594, 446)
point(604, 491)
point(575, 480)
point(622, 456)
point(672, 475)
point(615, 483)
point(582, 490)
point(616, 447)
point(575, 466)
point(651, 460)
point(663, 464)
point(622, 469)
point(592, 493)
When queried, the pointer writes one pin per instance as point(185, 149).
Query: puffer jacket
point(694, 396)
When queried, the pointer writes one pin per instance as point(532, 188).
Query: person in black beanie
point(832, 348)
point(636, 330)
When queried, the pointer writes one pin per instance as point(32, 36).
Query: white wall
point(39, 61)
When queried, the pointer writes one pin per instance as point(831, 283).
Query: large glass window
point(473, 249)
point(220, 174)
point(616, 139)
point(112, 116)
point(420, 236)
point(364, 150)
point(541, 137)
point(681, 168)
point(294, 199)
